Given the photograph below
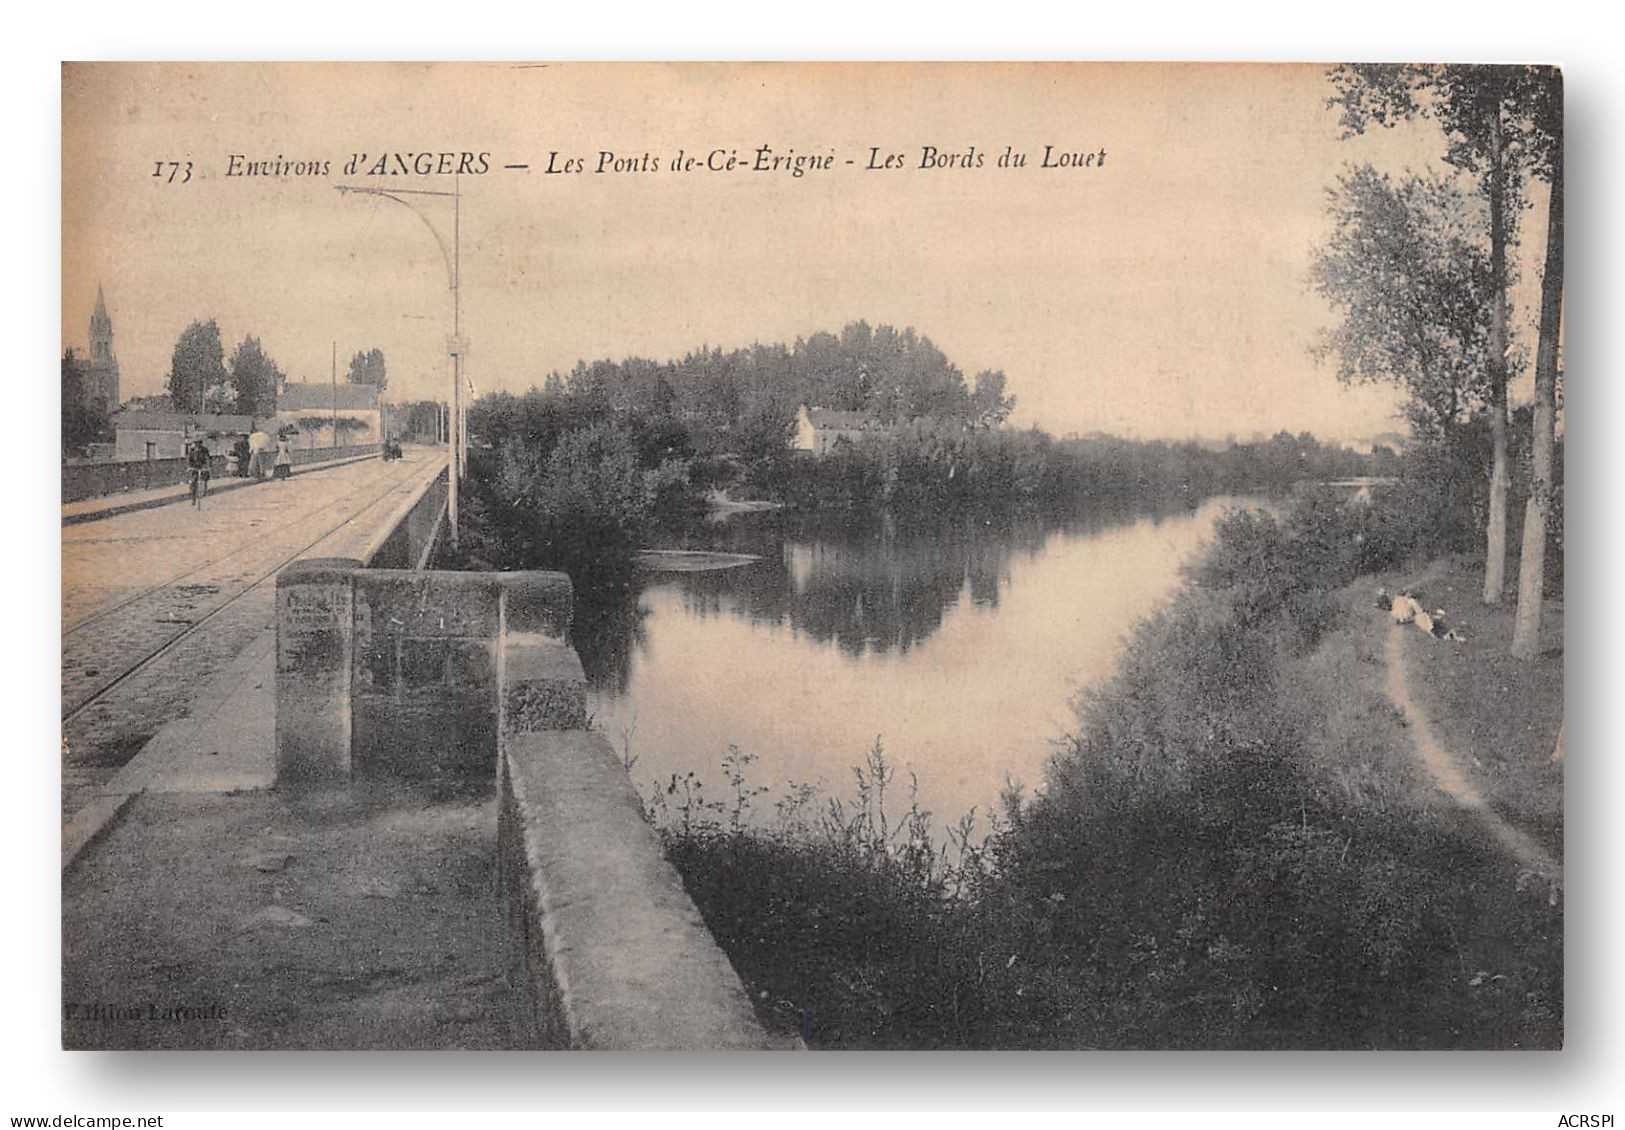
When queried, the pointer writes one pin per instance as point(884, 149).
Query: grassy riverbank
point(1238, 847)
point(1501, 714)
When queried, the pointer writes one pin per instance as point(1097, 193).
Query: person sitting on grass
point(1404, 608)
point(1443, 631)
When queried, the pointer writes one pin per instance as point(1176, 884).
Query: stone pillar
point(314, 642)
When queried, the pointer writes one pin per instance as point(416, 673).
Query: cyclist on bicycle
point(197, 459)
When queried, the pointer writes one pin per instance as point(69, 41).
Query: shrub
point(667, 487)
point(852, 926)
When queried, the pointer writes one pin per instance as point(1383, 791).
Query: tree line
point(893, 375)
point(565, 476)
point(202, 379)
point(927, 465)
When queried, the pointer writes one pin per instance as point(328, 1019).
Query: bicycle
point(199, 488)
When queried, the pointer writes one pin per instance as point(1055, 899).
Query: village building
point(818, 430)
point(315, 411)
point(145, 434)
point(149, 428)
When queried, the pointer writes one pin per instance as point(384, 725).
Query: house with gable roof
point(313, 408)
point(818, 430)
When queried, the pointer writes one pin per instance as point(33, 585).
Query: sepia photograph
point(812, 556)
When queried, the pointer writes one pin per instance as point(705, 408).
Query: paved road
point(156, 601)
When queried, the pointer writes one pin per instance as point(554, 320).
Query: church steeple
point(101, 331)
point(100, 370)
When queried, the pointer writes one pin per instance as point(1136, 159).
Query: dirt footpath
point(1494, 717)
point(360, 918)
point(1446, 770)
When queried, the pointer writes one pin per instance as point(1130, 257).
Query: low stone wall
point(409, 538)
point(609, 949)
point(310, 455)
point(92, 480)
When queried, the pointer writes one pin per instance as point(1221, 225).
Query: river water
point(962, 646)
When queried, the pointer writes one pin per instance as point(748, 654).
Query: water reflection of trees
point(609, 627)
point(878, 586)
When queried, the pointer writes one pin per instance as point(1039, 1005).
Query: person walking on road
point(259, 448)
point(197, 461)
point(284, 460)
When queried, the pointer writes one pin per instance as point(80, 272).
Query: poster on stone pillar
point(829, 556)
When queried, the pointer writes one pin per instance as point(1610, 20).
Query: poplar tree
point(1486, 113)
point(255, 377)
point(1406, 271)
point(1548, 165)
point(196, 366)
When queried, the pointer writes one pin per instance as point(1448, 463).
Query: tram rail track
point(74, 707)
point(101, 613)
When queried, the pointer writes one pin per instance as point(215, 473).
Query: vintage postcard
point(812, 556)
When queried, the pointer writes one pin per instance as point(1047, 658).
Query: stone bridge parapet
point(429, 674)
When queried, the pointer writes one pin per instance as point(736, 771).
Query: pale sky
point(1162, 293)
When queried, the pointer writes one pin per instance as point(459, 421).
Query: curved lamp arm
point(395, 195)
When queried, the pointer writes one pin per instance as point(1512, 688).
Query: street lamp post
point(456, 345)
point(462, 424)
